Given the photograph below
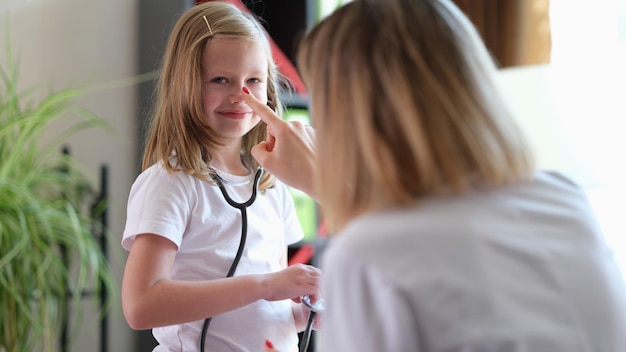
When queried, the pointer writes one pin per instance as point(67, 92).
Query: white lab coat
point(519, 269)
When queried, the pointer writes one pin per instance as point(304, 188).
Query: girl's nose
point(236, 94)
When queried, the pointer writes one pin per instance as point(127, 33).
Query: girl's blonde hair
point(406, 104)
point(178, 124)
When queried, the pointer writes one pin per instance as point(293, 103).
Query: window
point(588, 73)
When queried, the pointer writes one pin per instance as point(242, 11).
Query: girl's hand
point(293, 282)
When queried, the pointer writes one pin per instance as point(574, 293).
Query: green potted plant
point(48, 255)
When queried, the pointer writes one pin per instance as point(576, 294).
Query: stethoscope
point(314, 308)
point(244, 231)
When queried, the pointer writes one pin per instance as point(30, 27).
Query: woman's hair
point(404, 96)
point(178, 125)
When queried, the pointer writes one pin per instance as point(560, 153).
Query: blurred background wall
point(89, 45)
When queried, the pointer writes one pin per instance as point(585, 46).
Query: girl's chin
point(235, 135)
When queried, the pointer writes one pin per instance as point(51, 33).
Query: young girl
point(192, 255)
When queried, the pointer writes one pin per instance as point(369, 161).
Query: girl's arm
point(151, 298)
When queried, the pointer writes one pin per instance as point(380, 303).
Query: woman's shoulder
point(547, 188)
point(441, 220)
point(557, 180)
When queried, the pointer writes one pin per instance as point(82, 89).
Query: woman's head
point(180, 123)
point(404, 98)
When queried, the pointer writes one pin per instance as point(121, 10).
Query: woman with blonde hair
point(446, 237)
point(207, 230)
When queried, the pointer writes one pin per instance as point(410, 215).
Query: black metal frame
point(100, 225)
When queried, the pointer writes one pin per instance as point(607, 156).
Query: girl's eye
point(219, 80)
point(254, 80)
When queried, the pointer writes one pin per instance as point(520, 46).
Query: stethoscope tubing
point(306, 336)
point(314, 309)
point(244, 233)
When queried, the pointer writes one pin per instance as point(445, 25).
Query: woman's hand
point(289, 150)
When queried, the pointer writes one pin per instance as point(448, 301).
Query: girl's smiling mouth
point(235, 114)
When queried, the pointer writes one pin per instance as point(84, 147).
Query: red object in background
point(303, 255)
point(284, 65)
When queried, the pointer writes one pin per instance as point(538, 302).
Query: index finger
point(265, 113)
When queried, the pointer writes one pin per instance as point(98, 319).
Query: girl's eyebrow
point(210, 72)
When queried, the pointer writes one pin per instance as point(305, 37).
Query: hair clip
point(208, 25)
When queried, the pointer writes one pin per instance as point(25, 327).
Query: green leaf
point(48, 255)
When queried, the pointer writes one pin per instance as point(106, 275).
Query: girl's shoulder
point(157, 173)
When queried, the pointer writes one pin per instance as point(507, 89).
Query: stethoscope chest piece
point(315, 308)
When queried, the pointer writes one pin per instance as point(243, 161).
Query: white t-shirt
point(519, 269)
point(195, 216)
